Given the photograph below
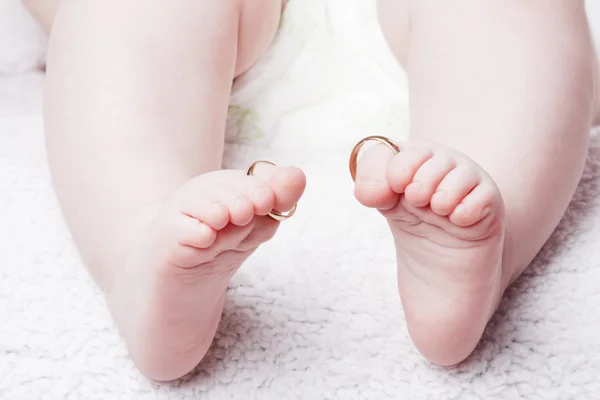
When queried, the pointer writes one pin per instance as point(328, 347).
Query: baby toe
point(371, 187)
point(263, 198)
point(194, 233)
point(259, 193)
point(241, 208)
point(457, 184)
point(204, 207)
point(405, 165)
point(286, 183)
point(427, 178)
point(476, 206)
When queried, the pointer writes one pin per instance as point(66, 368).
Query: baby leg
point(135, 105)
point(500, 124)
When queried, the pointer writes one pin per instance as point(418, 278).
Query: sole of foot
point(447, 218)
point(168, 299)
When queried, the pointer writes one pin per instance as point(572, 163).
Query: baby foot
point(447, 218)
point(168, 299)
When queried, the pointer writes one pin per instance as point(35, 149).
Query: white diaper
point(327, 81)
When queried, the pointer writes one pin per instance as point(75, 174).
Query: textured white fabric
point(314, 314)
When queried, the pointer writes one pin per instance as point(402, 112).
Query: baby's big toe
point(374, 192)
point(287, 183)
point(371, 187)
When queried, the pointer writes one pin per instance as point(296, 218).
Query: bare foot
point(168, 299)
point(447, 218)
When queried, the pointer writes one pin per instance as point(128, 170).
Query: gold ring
point(276, 215)
point(356, 150)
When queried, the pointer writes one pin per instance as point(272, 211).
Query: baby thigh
point(153, 116)
point(258, 23)
point(394, 19)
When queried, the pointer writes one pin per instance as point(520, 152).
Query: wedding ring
point(276, 215)
point(356, 150)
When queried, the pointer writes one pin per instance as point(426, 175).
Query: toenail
point(219, 208)
point(440, 194)
point(261, 194)
point(460, 209)
point(396, 168)
point(204, 229)
point(418, 186)
point(241, 202)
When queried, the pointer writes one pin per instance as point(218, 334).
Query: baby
point(502, 96)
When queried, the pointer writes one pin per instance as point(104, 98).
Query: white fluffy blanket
point(314, 314)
